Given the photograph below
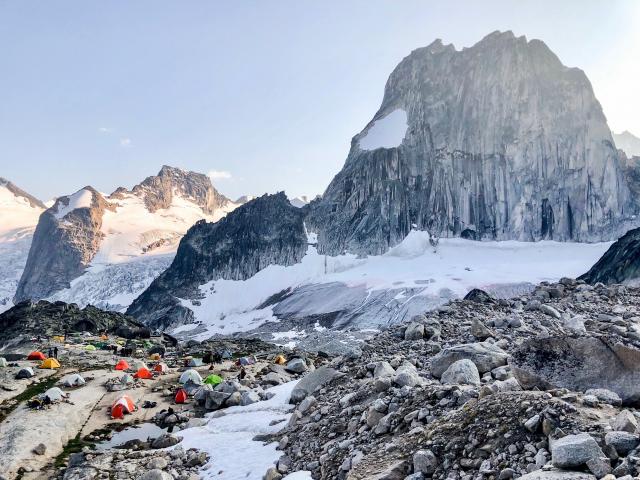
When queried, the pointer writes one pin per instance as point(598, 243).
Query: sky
point(262, 95)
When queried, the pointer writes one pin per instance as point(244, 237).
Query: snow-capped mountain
point(300, 201)
point(104, 249)
point(19, 214)
point(628, 143)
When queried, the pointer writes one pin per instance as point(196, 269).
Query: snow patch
point(387, 132)
point(228, 439)
point(80, 199)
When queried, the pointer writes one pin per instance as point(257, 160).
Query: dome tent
point(181, 396)
point(144, 373)
point(122, 405)
point(192, 376)
point(73, 380)
point(25, 373)
point(36, 355)
point(54, 394)
point(50, 364)
point(213, 380)
point(122, 365)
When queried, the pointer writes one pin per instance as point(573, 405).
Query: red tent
point(143, 373)
point(181, 396)
point(123, 405)
point(35, 355)
point(122, 365)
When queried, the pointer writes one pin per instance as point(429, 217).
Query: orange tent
point(143, 373)
point(123, 405)
point(35, 355)
point(122, 365)
point(161, 368)
point(181, 396)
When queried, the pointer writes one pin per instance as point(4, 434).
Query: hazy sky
point(264, 94)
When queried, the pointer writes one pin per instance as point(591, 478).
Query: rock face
point(580, 364)
point(501, 141)
point(124, 225)
point(66, 239)
point(263, 232)
point(620, 264)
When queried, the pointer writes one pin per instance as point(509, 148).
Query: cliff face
point(501, 142)
point(65, 240)
point(262, 232)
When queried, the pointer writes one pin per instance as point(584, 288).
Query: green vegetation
point(31, 391)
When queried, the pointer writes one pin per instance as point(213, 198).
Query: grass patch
point(74, 445)
point(31, 391)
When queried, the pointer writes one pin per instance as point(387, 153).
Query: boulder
point(480, 330)
point(311, 382)
point(486, 357)
point(478, 296)
point(461, 372)
point(296, 365)
point(156, 474)
point(625, 421)
point(605, 396)
point(556, 475)
point(578, 363)
point(622, 442)
point(575, 451)
point(414, 331)
point(407, 375)
point(425, 461)
point(215, 400)
point(383, 369)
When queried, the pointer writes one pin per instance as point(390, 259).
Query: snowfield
point(81, 199)
point(228, 437)
point(380, 290)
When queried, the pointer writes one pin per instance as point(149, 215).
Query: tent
point(191, 376)
point(73, 380)
point(191, 388)
point(213, 380)
point(155, 356)
point(195, 362)
point(143, 373)
point(90, 348)
point(122, 405)
point(161, 368)
point(57, 338)
point(25, 373)
point(138, 364)
point(54, 394)
point(3, 362)
point(50, 363)
point(181, 396)
point(35, 355)
point(122, 365)
point(280, 360)
point(246, 361)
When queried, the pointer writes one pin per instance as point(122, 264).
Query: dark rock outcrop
point(578, 363)
point(65, 241)
point(262, 232)
point(502, 142)
point(619, 264)
point(27, 319)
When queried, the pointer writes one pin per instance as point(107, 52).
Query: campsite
point(60, 395)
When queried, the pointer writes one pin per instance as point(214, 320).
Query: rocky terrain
point(265, 231)
point(481, 389)
point(620, 264)
point(490, 145)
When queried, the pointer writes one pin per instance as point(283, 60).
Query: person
point(49, 353)
point(55, 352)
point(243, 373)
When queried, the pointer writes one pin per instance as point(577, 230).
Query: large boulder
point(578, 363)
point(486, 356)
point(311, 382)
point(557, 475)
point(575, 451)
point(462, 372)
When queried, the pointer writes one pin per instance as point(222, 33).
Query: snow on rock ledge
point(386, 132)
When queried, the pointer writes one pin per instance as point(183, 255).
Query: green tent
point(213, 379)
point(90, 348)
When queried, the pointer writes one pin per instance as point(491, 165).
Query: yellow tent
point(155, 356)
point(50, 363)
point(280, 360)
point(90, 348)
point(58, 338)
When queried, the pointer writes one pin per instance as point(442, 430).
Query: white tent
point(192, 376)
point(73, 380)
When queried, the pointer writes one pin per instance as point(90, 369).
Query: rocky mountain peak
point(495, 141)
point(159, 190)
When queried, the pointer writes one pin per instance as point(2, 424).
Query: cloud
point(105, 130)
point(125, 142)
point(219, 175)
